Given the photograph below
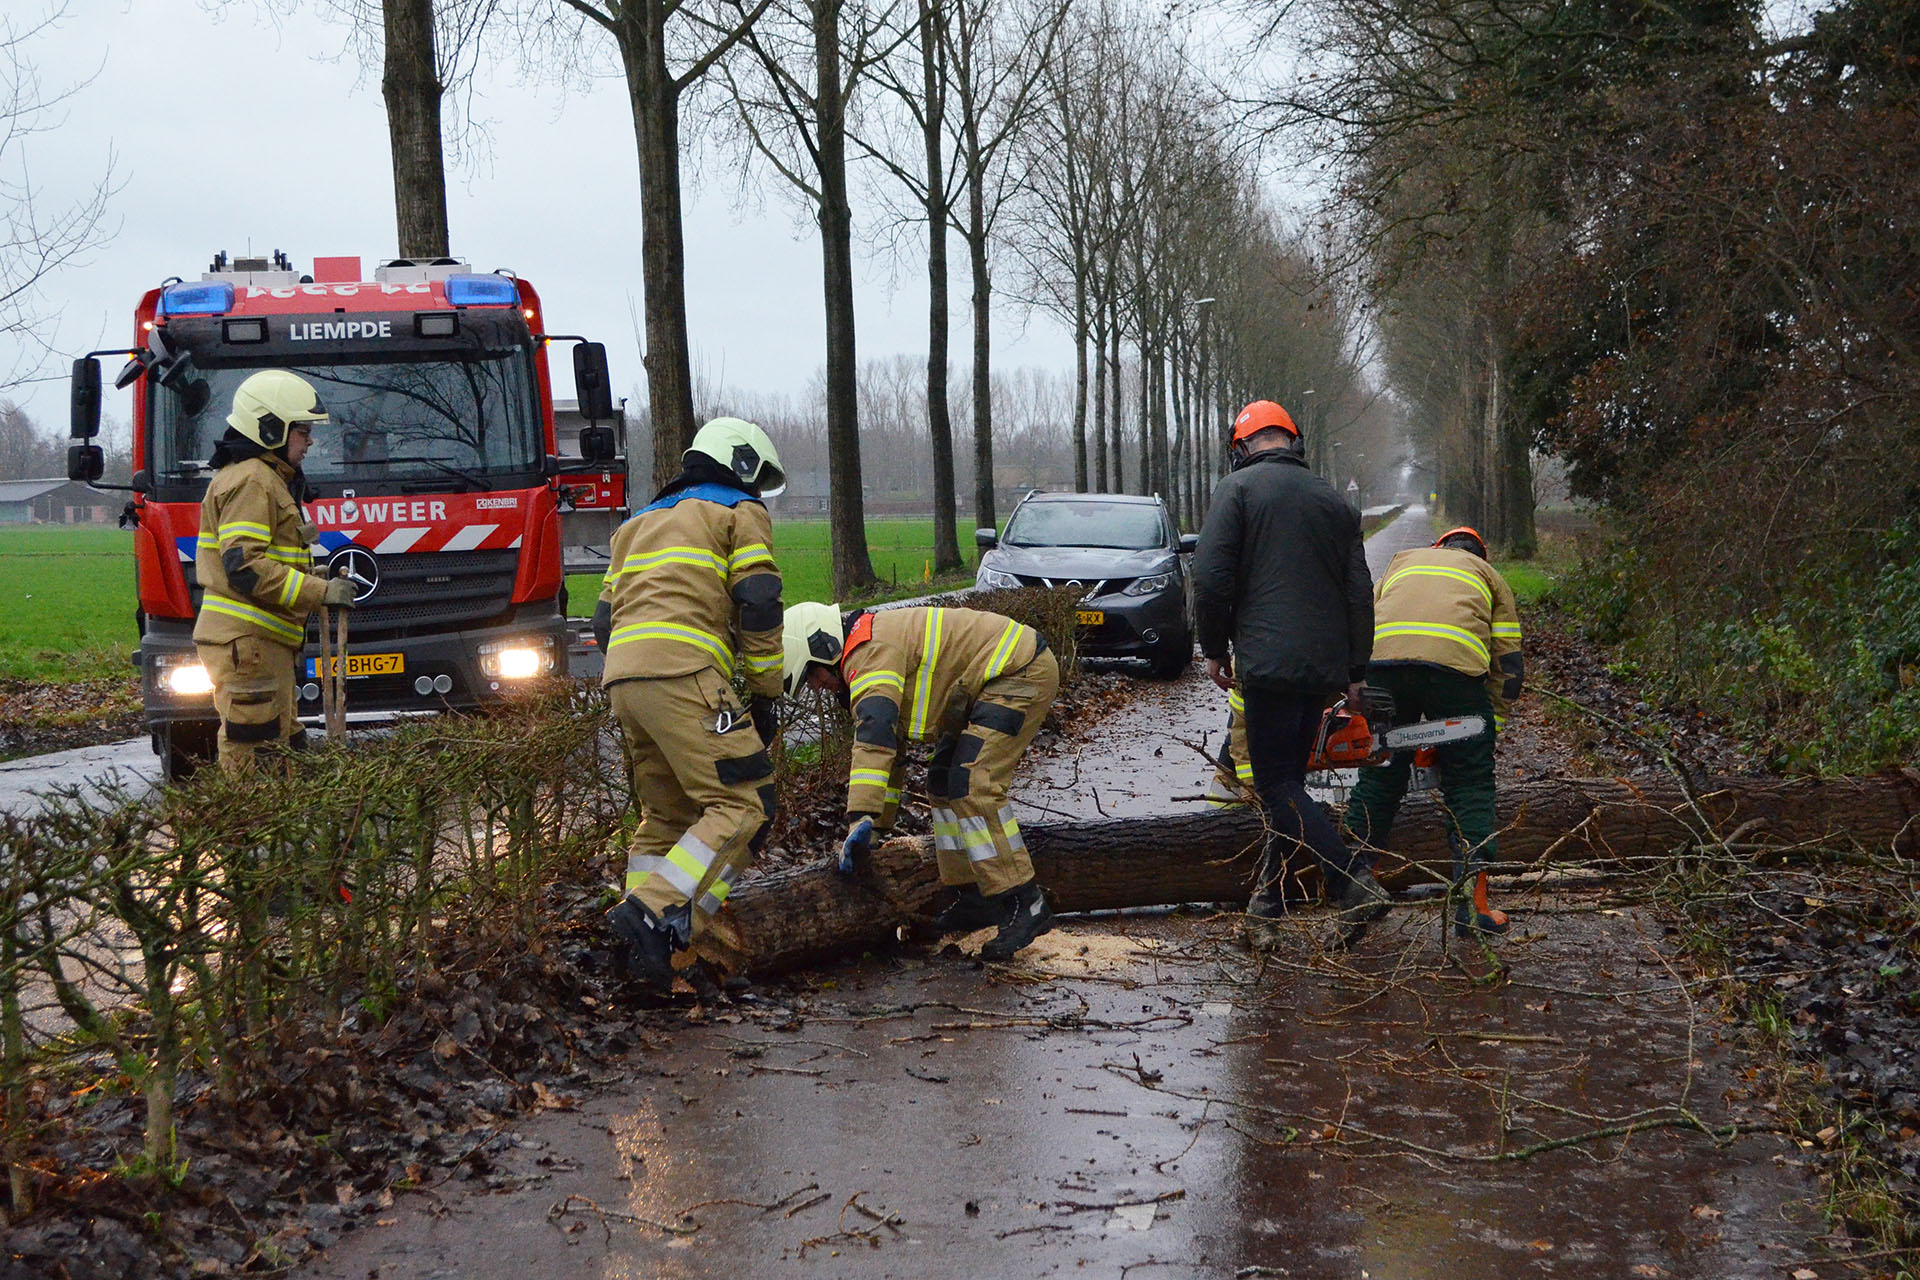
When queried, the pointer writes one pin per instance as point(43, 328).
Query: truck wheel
point(1172, 657)
point(186, 745)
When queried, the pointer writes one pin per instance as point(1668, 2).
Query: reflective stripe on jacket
point(253, 557)
point(1449, 608)
point(692, 584)
point(915, 679)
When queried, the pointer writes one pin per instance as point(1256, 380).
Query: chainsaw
point(1350, 740)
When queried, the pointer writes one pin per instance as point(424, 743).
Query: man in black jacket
point(1281, 574)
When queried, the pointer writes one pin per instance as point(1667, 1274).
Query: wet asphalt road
point(1141, 1096)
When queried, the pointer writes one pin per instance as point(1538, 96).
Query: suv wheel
point(1172, 657)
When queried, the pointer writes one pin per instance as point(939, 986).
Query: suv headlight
point(1149, 586)
point(995, 578)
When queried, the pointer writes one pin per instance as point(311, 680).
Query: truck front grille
point(429, 591)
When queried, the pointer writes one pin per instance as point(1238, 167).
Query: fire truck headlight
point(518, 664)
point(519, 659)
point(189, 680)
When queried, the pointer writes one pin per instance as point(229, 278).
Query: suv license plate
point(366, 664)
point(1092, 617)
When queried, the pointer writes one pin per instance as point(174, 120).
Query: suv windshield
point(451, 422)
point(1121, 526)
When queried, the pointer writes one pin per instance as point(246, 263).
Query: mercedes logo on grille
point(358, 565)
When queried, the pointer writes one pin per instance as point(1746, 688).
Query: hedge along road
point(1140, 1095)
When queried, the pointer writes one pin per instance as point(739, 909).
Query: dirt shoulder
point(37, 717)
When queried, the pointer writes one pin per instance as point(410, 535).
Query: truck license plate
point(1092, 617)
point(365, 664)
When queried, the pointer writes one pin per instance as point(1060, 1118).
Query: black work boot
point(1026, 916)
point(1361, 902)
point(643, 948)
point(968, 911)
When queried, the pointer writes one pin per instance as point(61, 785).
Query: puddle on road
point(1179, 1102)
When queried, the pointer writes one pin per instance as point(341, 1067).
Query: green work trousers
point(1466, 768)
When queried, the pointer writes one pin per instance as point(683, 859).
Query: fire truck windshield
point(454, 423)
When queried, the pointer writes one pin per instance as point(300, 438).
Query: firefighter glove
point(766, 720)
point(340, 593)
point(858, 846)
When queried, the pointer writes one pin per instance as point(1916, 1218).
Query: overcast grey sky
point(230, 130)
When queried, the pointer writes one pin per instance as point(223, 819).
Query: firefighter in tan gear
point(254, 564)
point(977, 684)
point(692, 600)
point(1446, 642)
point(1232, 770)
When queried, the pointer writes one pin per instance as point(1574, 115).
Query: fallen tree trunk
point(800, 915)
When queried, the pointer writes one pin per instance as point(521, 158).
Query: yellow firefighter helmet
point(268, 404)
point(810, 635)
point(742, 448)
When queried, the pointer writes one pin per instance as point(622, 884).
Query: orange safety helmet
point(1260, 415)
point(1463, 531)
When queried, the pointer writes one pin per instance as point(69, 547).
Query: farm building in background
point(58, 501)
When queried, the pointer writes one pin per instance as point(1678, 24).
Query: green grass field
point(68, 602)
point(69, 595)
point(901, 550)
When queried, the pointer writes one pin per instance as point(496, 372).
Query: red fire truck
point(437, 484)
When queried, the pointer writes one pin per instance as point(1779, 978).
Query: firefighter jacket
point(1441, 607)
point(692, 584)
point(911, 675)
point(254, 558)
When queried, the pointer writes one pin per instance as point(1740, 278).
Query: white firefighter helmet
point(268, 404)
point(811, 634)
point(742, 448)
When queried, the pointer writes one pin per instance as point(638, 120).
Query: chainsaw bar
point(1433, 733)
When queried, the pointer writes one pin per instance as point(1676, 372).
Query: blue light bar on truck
point(482, 291)
point(208, 298)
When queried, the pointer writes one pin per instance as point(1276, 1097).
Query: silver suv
point(1123, 549)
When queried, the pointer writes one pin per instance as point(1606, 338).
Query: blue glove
point(858, 844)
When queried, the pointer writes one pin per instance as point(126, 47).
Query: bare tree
point(654, 37)
point(37, 239)
point(997, 50)
point(791, 98)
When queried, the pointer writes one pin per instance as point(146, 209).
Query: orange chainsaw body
point(1345, 741)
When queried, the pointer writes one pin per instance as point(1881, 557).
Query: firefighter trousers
point(1232, 771)
point(253, 693)
point(706, 792)
point(1466, 768)
point(976, 839)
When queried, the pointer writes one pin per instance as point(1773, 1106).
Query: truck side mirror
point(1188, 542)
point(985, 539)
point(597, 444)
point(86, 463)
point(143, 481)
point(593, 388)
point(86, 398)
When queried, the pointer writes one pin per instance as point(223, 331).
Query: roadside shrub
point(1827, 679)
point(200, 927)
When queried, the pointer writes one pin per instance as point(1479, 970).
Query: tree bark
point(800, 915)
point(1117, 417)
point(983, 499)
point(1099, 401)
point(946, 505)
point(846, 502)
point(1079, 381)
point(410, 83)
point(639, 29)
